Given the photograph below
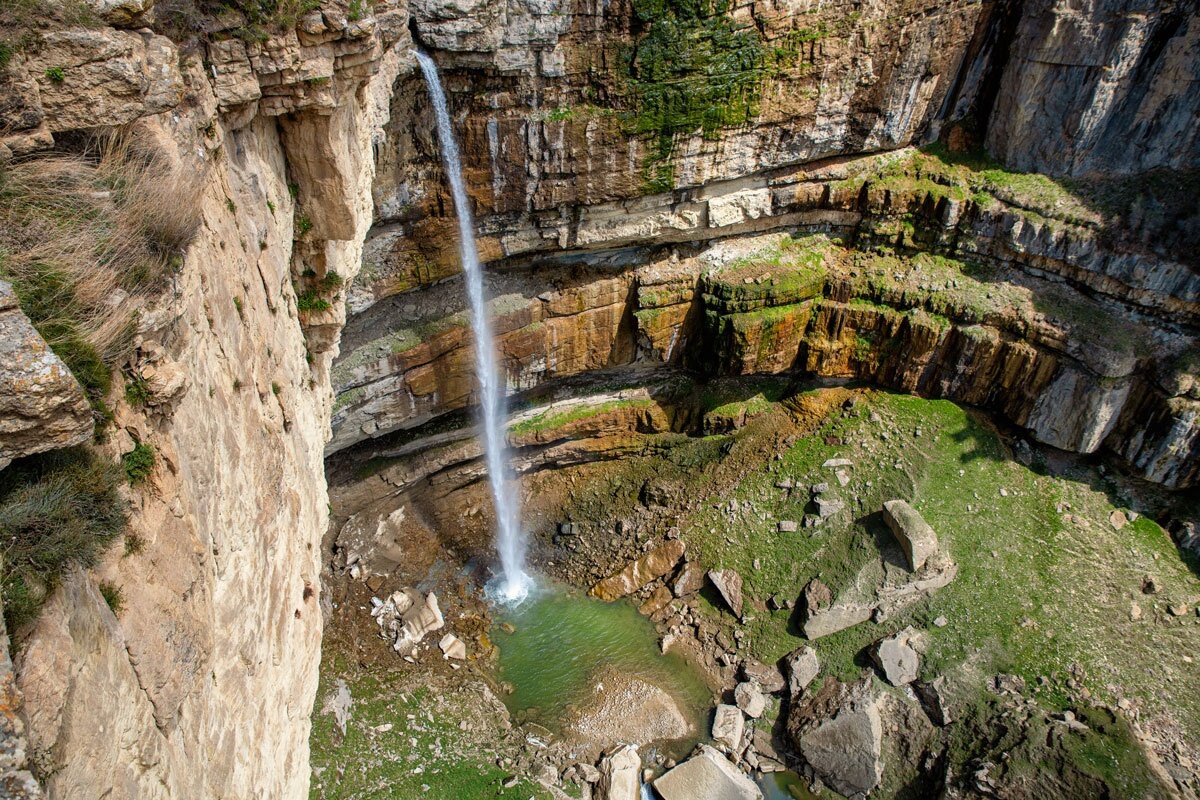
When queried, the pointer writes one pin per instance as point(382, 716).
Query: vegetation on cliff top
point(87, 240)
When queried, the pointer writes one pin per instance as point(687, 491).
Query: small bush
point(330, 281)
point(276, 388)
point(57, 509)
point(357, 10)
point(56, 74)
point(134, 543)
point(311, 301)
point(113, 596)
point(303, 225)
point(137, 390)
point(138, 462)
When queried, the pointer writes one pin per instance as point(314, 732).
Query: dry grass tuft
point(87, 238)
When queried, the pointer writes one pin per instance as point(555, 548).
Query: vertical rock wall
point(202, 684)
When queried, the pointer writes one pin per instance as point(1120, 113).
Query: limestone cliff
point(202, 684)
point(633, 166)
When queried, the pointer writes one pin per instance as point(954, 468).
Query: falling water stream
point(513, 583)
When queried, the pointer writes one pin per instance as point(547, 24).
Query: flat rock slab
point(624, 709)
point(897, 659)
point(707, 776)
point(729, 583)
point(836, 618)
point(728, 726)
point(916, 538)
point(638, 573)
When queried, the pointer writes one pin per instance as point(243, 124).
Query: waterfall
point(513, 583)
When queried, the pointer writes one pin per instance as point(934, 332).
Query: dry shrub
point(87, 238)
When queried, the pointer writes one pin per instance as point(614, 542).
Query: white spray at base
point(513, 584)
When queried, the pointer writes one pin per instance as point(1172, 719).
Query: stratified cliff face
point(203, 683)
point(614, 150)
point(1105, 86)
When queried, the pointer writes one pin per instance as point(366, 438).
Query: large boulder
point(767, 676)
point(839, 734)
point(728, 726)
point(897, 658)
point(802, 667)
point(729, 584)
point(750, 699)
point(706, 776)
point(636, 574)
point(916, 538)
point(42, 406)
point(621, 775)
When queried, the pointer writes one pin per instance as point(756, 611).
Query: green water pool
point(561, 638)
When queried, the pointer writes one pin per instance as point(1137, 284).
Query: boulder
point(689, 580)
point(406, 617)
point(709, 775)
point(639, 572)
point(839, 734)
point(836, 618)
point(750, 699)
point(828, 506)
point(896, 657)
point(932, 695)
point(767, 676)
point(453, 647)
point(802, 667)
point(916, 538)
point(787, 526)
point(729, 583)
point(42, 406)
point(728, 726)
point(620, 775)
point(657, 600)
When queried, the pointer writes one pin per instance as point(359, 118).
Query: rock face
point(16, 781)
point(217, 647)
point(42, 407)
point(636, 574)
point(839, 733)
point(1057, 58)
point(706, 776)
point(917, 539)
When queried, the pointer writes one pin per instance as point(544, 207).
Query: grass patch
point(113, 596)
point(86, 239)
point(424, 753)
point(138, 463)
point(550, 420)
point(57, 509)
point(137, 390)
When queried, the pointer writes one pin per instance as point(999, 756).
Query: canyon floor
point(1062, 649)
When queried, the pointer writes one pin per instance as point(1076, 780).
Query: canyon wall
point(202, 682)
point(606, 144)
